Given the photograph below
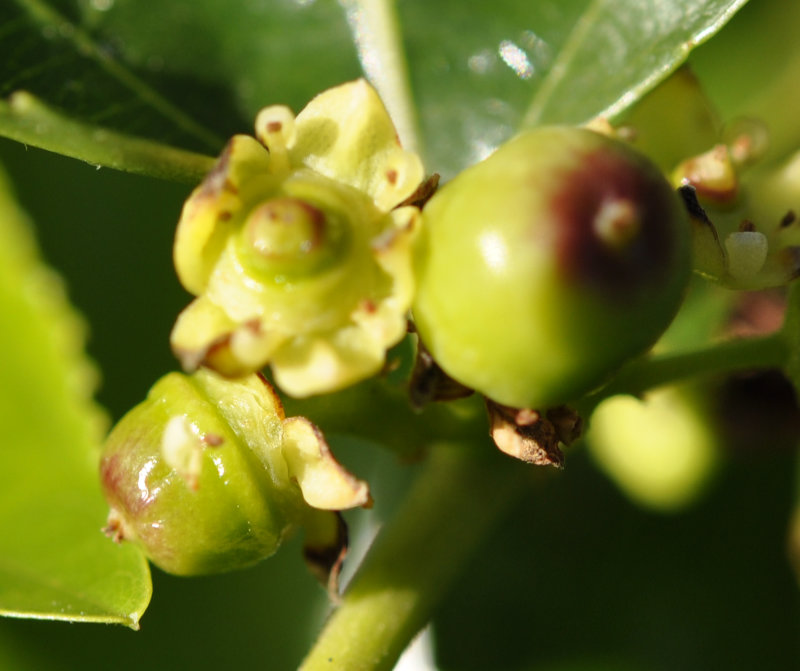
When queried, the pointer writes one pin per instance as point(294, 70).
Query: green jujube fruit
point(208, 475)
point(546, 266)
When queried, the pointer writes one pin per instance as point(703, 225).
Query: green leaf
point(47, 53)
point(518, 63)
point(189, 75)
point(54, 561)
point(619, 50)
point(183, 72)
point(250, 54)
point(26, 119)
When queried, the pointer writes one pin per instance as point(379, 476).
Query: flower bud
point(207, 476)
point(543, 268)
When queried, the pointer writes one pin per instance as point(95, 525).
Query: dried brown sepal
point(709, 255)
point(430, 383)
point(525, 434)
point(115, 526)
point(788, 219)
point(324, 549)
point(567, 423)
point(423, 192)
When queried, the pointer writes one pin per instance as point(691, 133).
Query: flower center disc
point(288, 235)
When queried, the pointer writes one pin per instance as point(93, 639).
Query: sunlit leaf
point(191, 73)
point(617, 50)
point(26, 119)
point(54, 561)
point(519, 63)
point(47, 52)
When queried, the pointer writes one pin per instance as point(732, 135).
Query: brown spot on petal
point(213, 440)
point(215, 180)
point(689, 196)
point(391, 176)
point(274, 127)
point(217, 354)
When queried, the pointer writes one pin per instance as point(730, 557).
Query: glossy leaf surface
point(54, 561)
point(191, 74)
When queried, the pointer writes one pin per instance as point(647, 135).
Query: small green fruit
point(543, 268)
point(207, 475)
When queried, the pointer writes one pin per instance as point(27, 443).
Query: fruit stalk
point(771, 351)
point(416, 558)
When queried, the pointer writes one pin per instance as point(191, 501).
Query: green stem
point(417, 557)
point(655, 371)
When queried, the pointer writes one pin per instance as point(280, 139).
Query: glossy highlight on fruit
point(208, 475)
point(543, 268)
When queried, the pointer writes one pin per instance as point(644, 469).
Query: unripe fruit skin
point(519, 296)
point(229, 518)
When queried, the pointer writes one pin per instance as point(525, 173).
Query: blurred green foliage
point(577, 577)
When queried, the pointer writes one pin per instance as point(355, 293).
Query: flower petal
point(346, 134)
point(393, 254)
point(275, 129)
point(201, 336)
point(327, 362)
point(324, 482)
point(212, 211)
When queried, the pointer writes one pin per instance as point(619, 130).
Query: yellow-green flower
point(297, 246)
